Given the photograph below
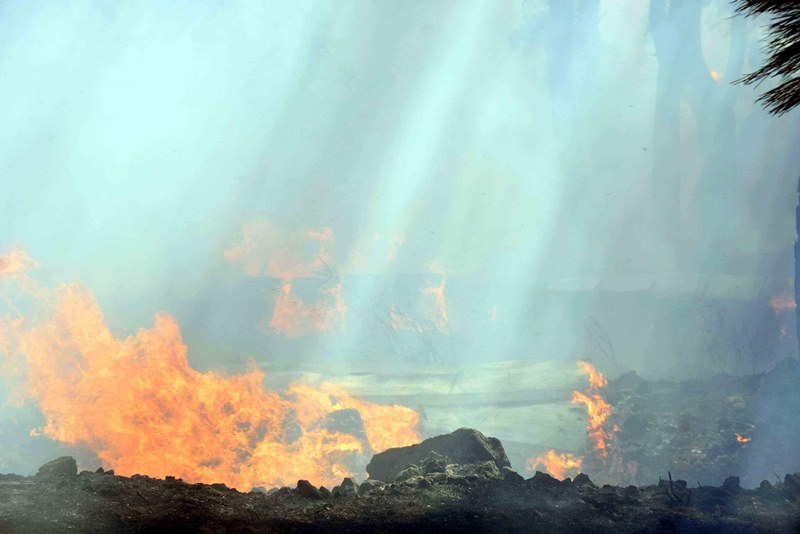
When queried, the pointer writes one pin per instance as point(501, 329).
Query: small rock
point(63, 467)
point(408, 472)
point(218, 486)
point(765, 485)
point(731, 485)
point(791, 484)
point(305, 489)
point(285, 491)
point(543, 481)
point(99, 471)
point(259, 489)
point(368, 486)
point(325, 492)
point(346, 489)
point(434, 463)
point(109, 472)
point(632, 491)
point(509, 475)
point(582, 479)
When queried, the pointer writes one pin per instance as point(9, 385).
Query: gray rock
point(408, 472)
point(464, 446)
point(543, 481)
point(583, 479)
point(434, 463)
point(305, 489)
point(480, 470)
point(346, 489)
point(259, 489)
point(325, 492)
point(731, 485)
point(64, 467)
point(791, 483)
point(368, 486)
point(509, 475)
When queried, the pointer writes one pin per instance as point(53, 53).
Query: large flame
point(141, 408)
point(557, 464)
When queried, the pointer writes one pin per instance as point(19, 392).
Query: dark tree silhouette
point(783, 48)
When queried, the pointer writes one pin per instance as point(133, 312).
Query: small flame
point(266, 251)
point(741, 439)
point(14, 263)
point(293, 318)
point(438, 309)
point(557, 464)
point(715, 75)
point(782, 303)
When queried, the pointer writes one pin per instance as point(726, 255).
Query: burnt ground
point(99, 502)
point(691, 427)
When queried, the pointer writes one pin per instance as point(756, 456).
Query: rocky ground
point(706, 430)
point(458, 482)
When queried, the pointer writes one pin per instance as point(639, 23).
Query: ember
point(742, 439)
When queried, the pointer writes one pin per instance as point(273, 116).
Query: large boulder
point(64, 467)
point(464, 446)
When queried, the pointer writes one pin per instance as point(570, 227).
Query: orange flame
point(557, 464)
point(438, 309)
point(293, 318)
point(14, 263)
point(141, 408)
point(741, 439)
point(715, 75)
point(597, 379)
point(266, 251)
point(596, 407)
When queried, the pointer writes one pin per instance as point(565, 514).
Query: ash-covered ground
point(704, 430)
point(460, 482)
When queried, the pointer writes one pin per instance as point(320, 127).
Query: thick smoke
point(351, 186)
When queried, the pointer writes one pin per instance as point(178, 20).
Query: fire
point(293, 318)
point(266, 251)
point(741, 439)
point(597, 408)
point(438, 309)
point(597, 379)
point(781, 303)
point(14, 263)
point(715, 75)
point(137, 403)
point(557, 464)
